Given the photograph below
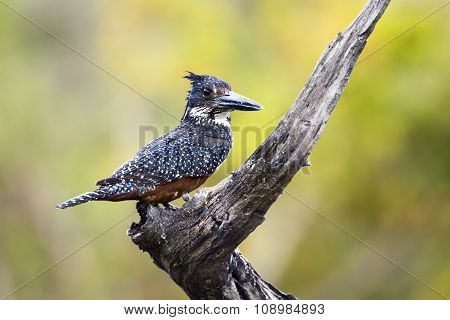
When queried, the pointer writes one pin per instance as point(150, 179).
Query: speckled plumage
point(195, 148)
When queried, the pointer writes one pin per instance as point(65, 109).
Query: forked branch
point(197, 243)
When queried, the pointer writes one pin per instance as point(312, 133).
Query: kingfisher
point(181, 160)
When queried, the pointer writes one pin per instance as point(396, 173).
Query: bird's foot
point(141, 207)
point(169, 206)
point(186, 197)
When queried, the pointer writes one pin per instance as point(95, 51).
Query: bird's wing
point(182, 152)
point(141, 169)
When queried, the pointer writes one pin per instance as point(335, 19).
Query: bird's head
point(212, 99)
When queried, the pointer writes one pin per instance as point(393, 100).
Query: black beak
point(234, 101)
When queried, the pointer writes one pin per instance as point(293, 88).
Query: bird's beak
point(235, 101)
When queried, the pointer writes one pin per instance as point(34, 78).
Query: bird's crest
point(195, 80)
point(202, 81)
point(192, 77)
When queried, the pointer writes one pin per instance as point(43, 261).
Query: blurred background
point(381, 170)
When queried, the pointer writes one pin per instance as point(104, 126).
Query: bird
point(181, 160)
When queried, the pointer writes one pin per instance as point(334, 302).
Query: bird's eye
point(206, 92)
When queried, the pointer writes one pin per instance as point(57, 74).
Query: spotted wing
point(183, 152)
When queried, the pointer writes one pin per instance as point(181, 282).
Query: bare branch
point(197, 243)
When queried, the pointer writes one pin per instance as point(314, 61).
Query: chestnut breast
point(173, 190)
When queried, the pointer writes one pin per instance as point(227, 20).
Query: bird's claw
point(141, 207)
point(169, 206)
point(186, 197)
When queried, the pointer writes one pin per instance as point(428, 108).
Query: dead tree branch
point(197, 244)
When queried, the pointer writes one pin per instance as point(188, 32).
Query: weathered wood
point(197, 243)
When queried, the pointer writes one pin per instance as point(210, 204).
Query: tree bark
point(197, 243)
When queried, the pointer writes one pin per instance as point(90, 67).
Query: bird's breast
point(173, 190)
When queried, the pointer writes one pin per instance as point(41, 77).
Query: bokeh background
point(381, 170)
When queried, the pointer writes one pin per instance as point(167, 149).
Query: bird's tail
point(83, 198)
